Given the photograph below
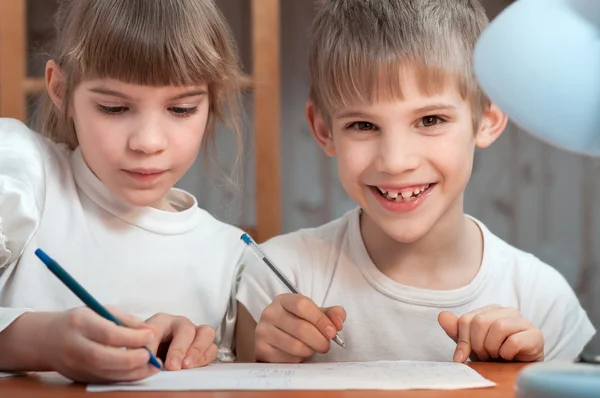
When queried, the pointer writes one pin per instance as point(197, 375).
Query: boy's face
point(406, 162)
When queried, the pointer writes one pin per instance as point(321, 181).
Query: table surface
point(45, 386)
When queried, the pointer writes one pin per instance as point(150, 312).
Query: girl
point(133, 88)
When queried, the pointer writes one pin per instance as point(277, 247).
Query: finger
point(268, 353)
point(184, 332)
point(196, 354)
point(304, 308)
point(301, 330)
point(526, 346)
point(136, 374)
point(161, 325)
point(210, 355)
point(337, 316)
point(100, 330)
point(449, 323)
point(283, 341)
point(480, 326)
point(463, 341)
point(105, 358)
point(500, 330)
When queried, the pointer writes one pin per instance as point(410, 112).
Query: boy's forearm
point(22, 343)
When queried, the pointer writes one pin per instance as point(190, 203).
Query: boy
point(393, 97)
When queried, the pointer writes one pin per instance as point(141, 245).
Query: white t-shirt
point(139, 259)
point(390, 321)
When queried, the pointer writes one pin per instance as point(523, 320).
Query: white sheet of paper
point(381, 375)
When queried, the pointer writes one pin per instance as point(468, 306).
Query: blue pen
point(80, 292)
point(263, 257)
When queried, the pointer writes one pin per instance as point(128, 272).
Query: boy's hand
point(292, 329)
point(85, 347)
point(493, 332)
point(186, 345)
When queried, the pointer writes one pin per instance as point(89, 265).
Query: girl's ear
point(54, 83)
point(320, 128)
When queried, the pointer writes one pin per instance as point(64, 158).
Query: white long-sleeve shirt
point(139, 259)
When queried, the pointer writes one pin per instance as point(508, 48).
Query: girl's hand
point(493, 333)
point(85, 347)
point(182, 344)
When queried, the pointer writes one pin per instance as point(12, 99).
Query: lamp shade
point(539, 61)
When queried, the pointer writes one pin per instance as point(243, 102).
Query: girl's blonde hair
point(146, 42)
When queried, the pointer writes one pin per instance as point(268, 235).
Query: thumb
point(337, 315)
point(449, 322)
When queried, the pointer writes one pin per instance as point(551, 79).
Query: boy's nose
point(397, 155)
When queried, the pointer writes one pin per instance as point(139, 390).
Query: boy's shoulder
point(521, 266)
point(316, 239)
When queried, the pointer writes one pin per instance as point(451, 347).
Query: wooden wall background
point(538, 198)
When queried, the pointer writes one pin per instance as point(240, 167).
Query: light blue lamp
point(539, 61)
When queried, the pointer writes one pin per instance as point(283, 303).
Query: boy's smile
point(402, 198)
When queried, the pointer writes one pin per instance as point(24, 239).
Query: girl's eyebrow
point(105, 91)
point(186, 94)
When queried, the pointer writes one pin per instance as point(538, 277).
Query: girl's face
point(139, 140)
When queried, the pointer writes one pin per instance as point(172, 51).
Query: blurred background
point(534, 196)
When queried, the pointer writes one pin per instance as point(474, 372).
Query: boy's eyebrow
point(187, 94)
point(352, 114)
point(435, 107)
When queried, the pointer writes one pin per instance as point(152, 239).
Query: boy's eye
point(430, 121)
point(112, 110)
point(183, 112)
point(361, 126)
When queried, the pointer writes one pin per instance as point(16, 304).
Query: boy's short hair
point(359, 47)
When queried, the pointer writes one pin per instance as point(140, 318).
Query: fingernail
point(458, 356)
point(175, 363)
point(188, 363)
point(330, 330)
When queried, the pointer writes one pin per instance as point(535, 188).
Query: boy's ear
point(492, 124)
point(320, 128)
point(54, 83)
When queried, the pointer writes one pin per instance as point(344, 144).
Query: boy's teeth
point(399, 196)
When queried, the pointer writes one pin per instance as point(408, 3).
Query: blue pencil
point(87, 299)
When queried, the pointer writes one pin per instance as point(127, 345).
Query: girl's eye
point(430, 121)
point(112, 110)
point(361, 126)
point(183, 112)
